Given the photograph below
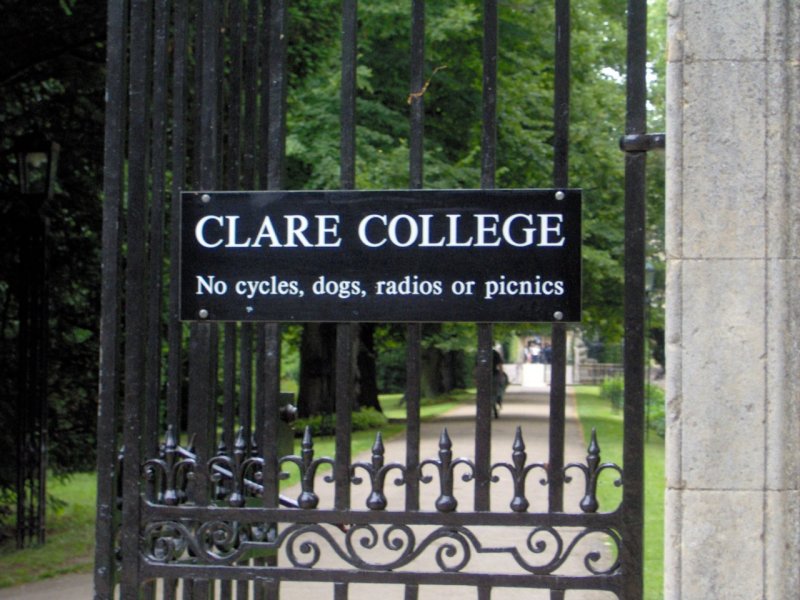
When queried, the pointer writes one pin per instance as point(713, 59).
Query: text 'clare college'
point(377, 230)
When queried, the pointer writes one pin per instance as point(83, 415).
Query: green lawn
point(70, 536)
point(596, 412)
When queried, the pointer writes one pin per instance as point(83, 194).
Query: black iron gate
point(189, 507)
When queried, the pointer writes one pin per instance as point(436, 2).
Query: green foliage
point(612, 390)
point(656, 409)
point(363, 420)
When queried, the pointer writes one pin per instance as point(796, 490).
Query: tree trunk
point(316, 395)
point(317, 353)
point(366, 375)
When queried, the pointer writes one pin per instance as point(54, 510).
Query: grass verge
point(70, 536)
point(595, 412)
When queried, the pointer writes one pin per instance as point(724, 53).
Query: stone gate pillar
point(733, 298)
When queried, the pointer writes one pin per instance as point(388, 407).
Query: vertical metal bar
point(152, 427)
point(250, 94)
point(113, 187)
point(158, 167)
point(483, 417)
point(245, 408)
point(411, 592)
point(344, 331)
point(260, 400)
point(246, 380)
point(174, 327)
point(348, 99)
point(202, 349)
point(558, 371)
point(250, 128)
point(344, 408)
point(277, 94)
point(635, 214)
point(233, 157)
point(417, 99)
point(489, 119)
point(135, 295)
point(233, 111)
point(340, 591)
point(484, 368)
point(42, 335)
point(414, 330)
point(209, 95)
point(273, 126)
point(229, 387)
point(271, 366)
point(413, 393)
point(561, 96)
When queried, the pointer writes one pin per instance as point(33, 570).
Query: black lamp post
point(37, 161)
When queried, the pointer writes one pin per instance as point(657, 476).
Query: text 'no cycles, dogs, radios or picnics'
point(415, 255)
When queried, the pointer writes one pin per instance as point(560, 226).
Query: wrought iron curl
point(594, 557)
point(171, 471)
point(165, 542)
point(399, 539)
point(296, 533)
point(307, 465)
point(377, 471)
point(591, 471)
point(449, 550)
point(519, 471)
point(237, 470)
point(561, 553)
point(445, 466)
point(218, 539)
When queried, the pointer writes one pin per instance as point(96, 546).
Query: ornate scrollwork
point(171, 471)
point(591, 471)
point(165, 542)
point(519, 472)
point(365, 547)
point(303, 547)
point(216, 541)
point(445, 466)
point(307, 465)
point(377, 472)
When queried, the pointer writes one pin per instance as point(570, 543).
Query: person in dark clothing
point(499, 382)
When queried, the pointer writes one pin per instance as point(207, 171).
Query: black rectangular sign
point(432, 255)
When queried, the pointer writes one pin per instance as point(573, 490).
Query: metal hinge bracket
point(642, 142)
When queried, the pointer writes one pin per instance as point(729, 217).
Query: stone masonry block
point(783, 161)
point(725, 29)
point(723, 374)
point(722, 546)
point(783, 375)
point(723, 160)
point(782, 544)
